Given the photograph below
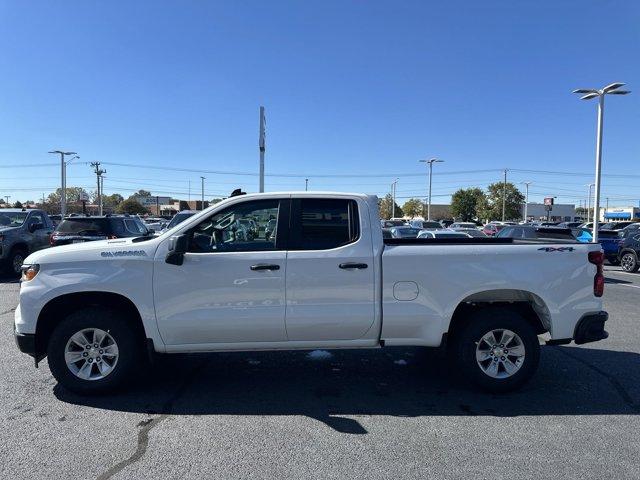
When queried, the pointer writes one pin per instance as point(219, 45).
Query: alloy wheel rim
point(91, 354)
point(500, 353)
point(18, 260)
point(627, 262)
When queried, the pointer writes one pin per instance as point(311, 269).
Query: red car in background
point(491, 229)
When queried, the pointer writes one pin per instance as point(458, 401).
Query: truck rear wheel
point(497, 349)
point(94, 351)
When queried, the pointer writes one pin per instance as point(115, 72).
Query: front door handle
point(348, 265)
point(265, 266)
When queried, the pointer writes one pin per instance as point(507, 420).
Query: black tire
point(129, 344)
point(16, 256)
point(465, 341)
point(629, 262)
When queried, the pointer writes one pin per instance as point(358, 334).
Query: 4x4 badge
point(557, 249)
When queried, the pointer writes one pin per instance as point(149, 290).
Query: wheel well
point(20, 246)
point(527, 305)
point(60, 307)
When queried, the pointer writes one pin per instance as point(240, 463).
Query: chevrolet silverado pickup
point(321, 276)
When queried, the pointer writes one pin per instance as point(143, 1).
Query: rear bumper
point(590, 328)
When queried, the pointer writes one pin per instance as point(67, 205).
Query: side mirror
point(151, 230)
point(177, 248)
point(35, 226)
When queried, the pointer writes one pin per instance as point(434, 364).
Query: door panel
point(325, 301)
point(231, 285)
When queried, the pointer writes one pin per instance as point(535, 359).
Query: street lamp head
point(585, 90)
point(589, 96)
point(619, 92)
point(612, 86)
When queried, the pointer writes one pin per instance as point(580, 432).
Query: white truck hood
point(117, 248)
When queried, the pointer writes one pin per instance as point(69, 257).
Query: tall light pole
point(63, 180)
point(262, 147)
point(504, 194)
point(393, 198)
point(430, 162)
point(611, 89)
point(526, 200)
point(306, 184)
point(590, 185)
point(202, 200)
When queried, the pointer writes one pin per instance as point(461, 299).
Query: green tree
point(52, 203)
point(385, 207)
point(490, 208)
point(17, 204)
point(142, 193)
point(464, 203)
point(413, 207)
point(111, 202)
point(131, 206)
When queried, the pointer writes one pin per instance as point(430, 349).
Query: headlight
point(29, 272)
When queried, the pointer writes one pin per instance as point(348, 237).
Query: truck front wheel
point(497, 349)
point(93, 351)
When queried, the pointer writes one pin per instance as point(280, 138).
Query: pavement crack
point(622, 392)
point(149, 424)
point(8, 311)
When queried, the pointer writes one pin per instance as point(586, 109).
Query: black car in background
point(531, 232)
point(629, 250)
point(87, 229)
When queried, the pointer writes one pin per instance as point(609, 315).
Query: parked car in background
point(629, 251)
point(55, 219)
point(425, 224)
point(530, 232)
point(446, 223)
point(491, 229)
point(155, 224)
point(444, 233)
point(616, 225)
point(590, 225)
point(472, 232)
point(21, 233)
point(404, 232)
point(386, 233)
point(463, 225)
point(179, 218)
point(392, 223)
point(88, 229)
point(569, 224)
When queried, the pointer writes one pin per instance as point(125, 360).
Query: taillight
point(52, 240)
point(597, 258)
point(112, 237)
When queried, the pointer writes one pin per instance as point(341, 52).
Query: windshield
point(178, 218)
point(12, 219)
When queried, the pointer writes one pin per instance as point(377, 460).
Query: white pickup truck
point(320, 276)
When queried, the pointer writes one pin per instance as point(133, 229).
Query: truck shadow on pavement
point(342, 387)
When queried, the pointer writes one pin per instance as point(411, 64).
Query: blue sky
point(351, 88)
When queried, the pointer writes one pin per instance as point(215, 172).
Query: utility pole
point(589, 201)
point(430, 162)
point(102, 192)
point(99, 173)
point(7, 197)
point(526, 201)
point(202, 202)
point(189, 197)
point(606, 209)
point(393, 201)
point(306, 184)
point(262, 147)
point(63, 180)
point(504, 194)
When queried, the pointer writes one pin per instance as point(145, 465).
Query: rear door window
point(322, 223)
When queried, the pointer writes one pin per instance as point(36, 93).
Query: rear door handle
point(265, 266)
point(349, 265)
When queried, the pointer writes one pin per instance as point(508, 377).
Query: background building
point(620, 213)
point(559, 213)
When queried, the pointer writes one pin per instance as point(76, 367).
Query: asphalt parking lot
point(391, 413)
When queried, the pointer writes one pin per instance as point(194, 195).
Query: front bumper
point(590, 328)
point(26, 342)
